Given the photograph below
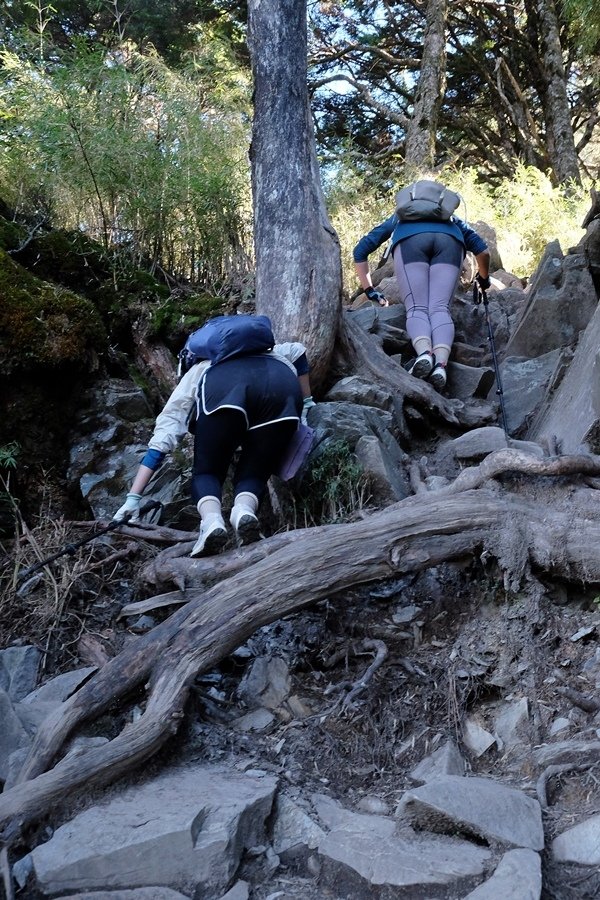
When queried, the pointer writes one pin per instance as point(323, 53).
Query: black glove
point(484, 281)
point(376, 296)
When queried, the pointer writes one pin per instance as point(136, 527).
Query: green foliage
point(335, 486)
point(174, 318)
point(526, 211)
point(8, 463)
point(584, 18)
point(8, 455)
point(43, 326)
point(145, 160)
point(67, 257)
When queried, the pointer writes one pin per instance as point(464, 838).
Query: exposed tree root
point(264, 582)
point(366, 358)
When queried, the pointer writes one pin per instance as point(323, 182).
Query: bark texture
point(298, 263)
point(557, 111)
point(419, 151)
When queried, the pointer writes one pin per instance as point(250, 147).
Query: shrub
point(526, 212)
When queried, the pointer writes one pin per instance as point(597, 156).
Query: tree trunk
point(298, 262)
point(557, 110)
point(419, 153)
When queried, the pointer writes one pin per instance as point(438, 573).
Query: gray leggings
point(427, 267)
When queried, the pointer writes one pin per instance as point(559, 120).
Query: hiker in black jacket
point(253, 402)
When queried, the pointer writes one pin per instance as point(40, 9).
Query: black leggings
point(217, 437)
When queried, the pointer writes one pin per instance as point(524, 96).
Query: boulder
point(19, 671)
point(475, 806)
point(517, 877)
point(13, 735)
point(560, 304)
point(359, 852)
point(185, 829)
point(571, 416)
point(580, 844)
point(525, 384)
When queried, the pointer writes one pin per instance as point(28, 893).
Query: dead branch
point(381, 653)
point(264, 582)
point(587, 704)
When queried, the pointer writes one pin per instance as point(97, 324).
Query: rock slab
point(188, 827)
point(477, 807)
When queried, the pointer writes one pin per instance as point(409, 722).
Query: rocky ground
point(430, 736)
point(494, 678)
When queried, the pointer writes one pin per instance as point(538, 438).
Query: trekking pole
point(71, 548)
point(481, 296)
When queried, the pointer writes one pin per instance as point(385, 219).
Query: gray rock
point(256, 720)
point(143, 893)
point(356, 390)
point(518, 877)
point(388, 479)
point(406, 614)
point(240, 891)
point(293, 829)
point(59, 688)
point(559, 725)
point(565, 751)
point(466, 381)
point(32, 715)
point(525, 383)
point(571, 416)
point(344, 421)
point(475, 806)
point(559, 305)
point(446, 760)
point(478, 443)
point(511, 723)
point(15, 764)
point(13, 735)
point(19, 667)
point(184, 829)
point(475, 737)
point(22, 869)
point(266, 683)
point(369, 851)
point(580, 844)
point(373, 805)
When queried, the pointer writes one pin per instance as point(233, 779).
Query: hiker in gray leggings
point(427, 261)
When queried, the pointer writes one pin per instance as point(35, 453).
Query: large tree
point(419, 151)
point(298, 264)
point(518, 85)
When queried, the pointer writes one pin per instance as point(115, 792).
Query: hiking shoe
point(422, 366)
point(248, 529)
point(212, 538)
point(437, 379)
point(245, 524)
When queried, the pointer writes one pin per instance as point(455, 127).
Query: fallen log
point(462, 519)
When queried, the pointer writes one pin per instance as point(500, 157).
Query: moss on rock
point(11, 235)
point(69, 258)
point(43, 326)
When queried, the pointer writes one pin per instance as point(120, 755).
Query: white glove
point(130, 511)
point(306, 405)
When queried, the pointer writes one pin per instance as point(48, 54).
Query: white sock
point(422, 345)
point(209, 508)
point(247, 501)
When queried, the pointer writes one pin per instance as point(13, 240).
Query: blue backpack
point(226, 337)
